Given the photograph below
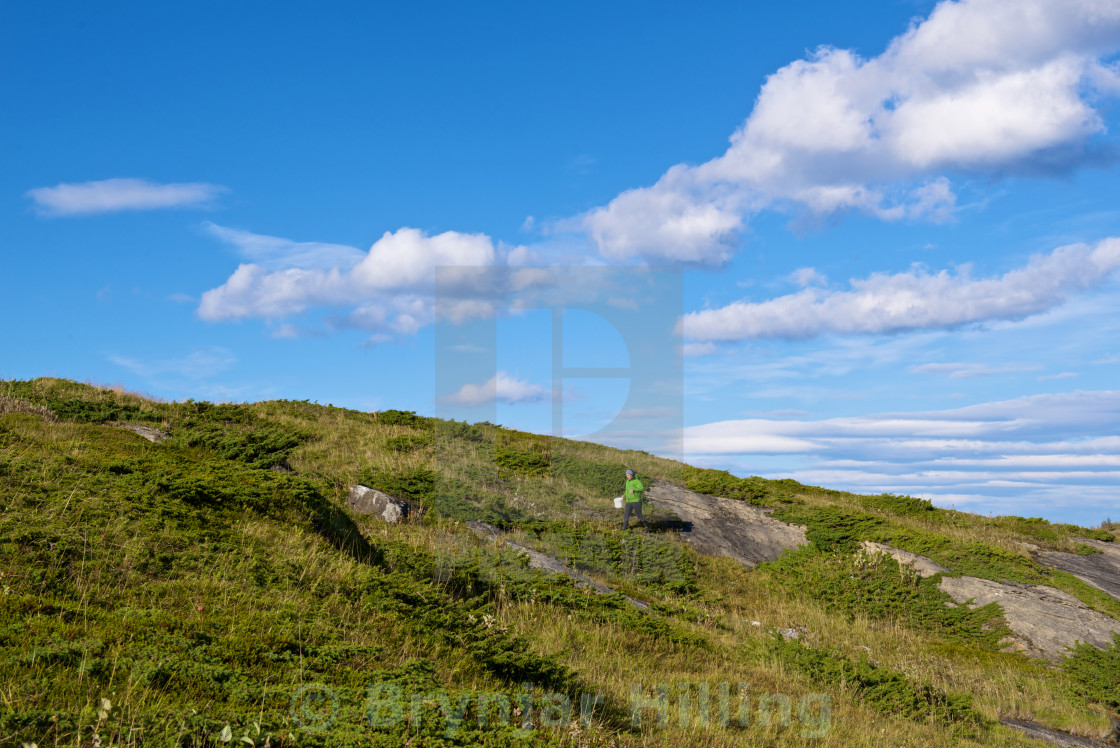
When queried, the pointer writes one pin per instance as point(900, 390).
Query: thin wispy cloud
point(116, 195)
point(275, 253)
point(916, 300)
point(1074, 415)
point(1035, 448)
point(968, 371)
point(808, 277)
point(200, 363)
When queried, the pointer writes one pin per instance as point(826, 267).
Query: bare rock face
point(151, 434)
point(1100, 570)
point(1046, 621)
point(727, 527)
point(365, 500)
point(1050, 735)
point(924, 566)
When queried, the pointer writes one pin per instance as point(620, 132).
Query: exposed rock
point(727, 527)
point(1050, 735)
point(364, 500)
point(1101, 570)
point(543, 561)
point(148, 432)
point(483, 528)
point(1046, 621)
point(924, 566)
point(793, 633)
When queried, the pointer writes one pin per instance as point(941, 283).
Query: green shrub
point(886, 691)
point(403, 418)
point(526, 462)
point(723, 483)
point(1096, 672)
point(832, 528)
point(451, 430)
point(876, 585)
point(408, 443)
point(416, 485)
point(258, 446)
point(903, 506)
point(598, 478)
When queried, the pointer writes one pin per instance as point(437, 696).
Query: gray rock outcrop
point(365, 500)
point(924, 566)
point(727, 527)
point(1050, 735)
point(1100, 570)
point(1046, 622)
point(148, 432)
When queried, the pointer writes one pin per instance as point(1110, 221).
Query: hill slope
point(211, 587)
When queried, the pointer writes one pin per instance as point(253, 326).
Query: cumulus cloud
point(387, 289)
point(407, 280)
point(502, 387)
point(914, 300)
point(114, 195)
point(980, 86)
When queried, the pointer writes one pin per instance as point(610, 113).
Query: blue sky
point(895, 228)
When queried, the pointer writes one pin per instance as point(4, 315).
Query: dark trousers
point(636, 508)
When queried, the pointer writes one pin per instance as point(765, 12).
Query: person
point(635, 492)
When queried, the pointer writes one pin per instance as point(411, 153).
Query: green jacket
point(635, 491)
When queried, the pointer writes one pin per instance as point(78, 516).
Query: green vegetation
point(886, 691)
point(877, 586)
point(1096, 673)
point(945, 537)
point(723, 483)
point(211, 589)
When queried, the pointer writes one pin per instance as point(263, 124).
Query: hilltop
point(194, 574)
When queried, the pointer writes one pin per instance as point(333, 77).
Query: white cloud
point(388, 289)
point(502, 387)
point(1037, 451)
point(808, 277)
point(1062, 375)
point(968, 371)
point(113, 195)
point(698, 349)
point(913, 300)
point(980, 86)
point(1078, 415)
point(273, 252)
point(666, 222)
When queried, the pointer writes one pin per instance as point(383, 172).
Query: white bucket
point(617, 502)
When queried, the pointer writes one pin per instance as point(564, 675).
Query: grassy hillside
point(212, 589)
